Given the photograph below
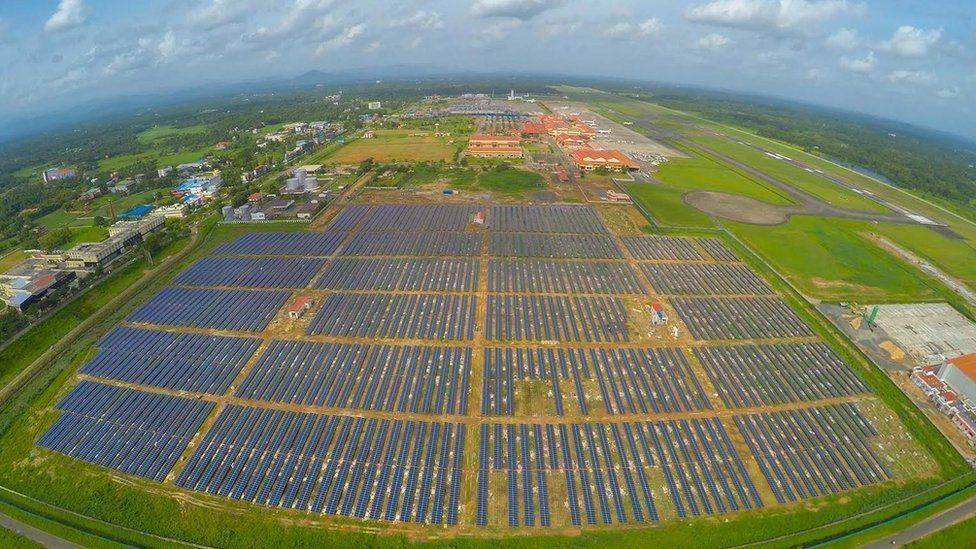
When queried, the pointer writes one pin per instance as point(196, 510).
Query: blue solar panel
point(130, 431)
point(247, 310)
point(425, 316)
point(546, 219)
point(251, 272)
point(187, 362)
point(297, 243)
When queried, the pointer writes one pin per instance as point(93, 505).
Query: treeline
point(930, 163)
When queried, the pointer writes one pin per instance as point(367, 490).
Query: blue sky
point(908, 60)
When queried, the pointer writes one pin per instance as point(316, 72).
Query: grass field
point(101, 206)
point(503, 181)
point(159, 133)
point(812, 183)
point(956, 257)
point(13, 540)
point(399, 146)
point(665, 205)
point(700, 173)
point(961, 534)
point(10, 259)
point(827, 259)
point(160, 159)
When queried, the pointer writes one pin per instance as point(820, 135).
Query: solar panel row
point(414, 244)
point(348, 218)
point(336, 465)
point(419, 217)
point(421, 380)
point(556, 318)
point(185, 362)
point(545, 219)
point(246, 310)
point(410, 274)
point(613, 464)
point(548, 276)
point(295, 243)
point(739, 318)
point(704, 279)
point(662, 248)
point(251, 272)
point(630, 380)
point(552, 246)
point(427, 316)
point(813, 452)
point(130, 431)
point(717, 249)
point(756, 375)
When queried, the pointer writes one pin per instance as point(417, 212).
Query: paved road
point(953, 515)
point(39, 536)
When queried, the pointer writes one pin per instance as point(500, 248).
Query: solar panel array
point(296, 243)
point(419, 380)
point(546, 219)
point(251, 272)
point(555, 318)
point(335, 465)
point(757, 375)
point(397, 337)
point(704, 279)
point(184, 362)
point(138, 433)
point(551, 276)
point(605, 470)
point(814, 452)
point(630, 381)
point(401, 316)
point(409, 274)
point(740, 318)
point(246, 310)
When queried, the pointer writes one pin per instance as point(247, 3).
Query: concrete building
point(173, 211)
point(32, 279)
point(959, 374)
point(57, 174)
point(90, 255)
point(300, 307)
point(375, 105)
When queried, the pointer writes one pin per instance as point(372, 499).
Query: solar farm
point(478, 369)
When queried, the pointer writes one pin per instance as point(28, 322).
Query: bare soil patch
point(738, 208)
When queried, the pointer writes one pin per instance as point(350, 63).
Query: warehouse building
point(495, 146)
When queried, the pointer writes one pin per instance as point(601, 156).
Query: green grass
point(101, 206)
point(812, 183)
point(158, 133)
point(827, 259)
point(503, 181)
point(962, 534)
point(11, 258)
point(160, 159)
point(398, 146)
point(664, 204)
point(700, 173)
point(13, 540)
point(86, 234)
point(956, 257)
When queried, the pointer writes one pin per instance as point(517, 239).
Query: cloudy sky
point(909, 60)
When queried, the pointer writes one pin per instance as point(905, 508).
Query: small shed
point(300, 307)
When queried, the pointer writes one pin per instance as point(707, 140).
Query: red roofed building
point(571, 141)
point(497, 146)
point(300, 306)
point(592, 159)
point(532, 129)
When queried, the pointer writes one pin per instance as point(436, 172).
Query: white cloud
point(518, 9)
point(844, 39)
point(815, 74)
point(217, 13)
point(344, 38)
point(304, 17)
point(488, 34)
point(712, 41)
point(861, 66)
point(68, 15)
point(909, 41)
point(912, 77)
point(948, 93)
point(624, 29)
point(372, 46)
point(560, 27)
point(649, 26)
point(770, 15)
point(420, 19)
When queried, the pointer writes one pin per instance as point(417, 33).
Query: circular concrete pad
point(738, 208)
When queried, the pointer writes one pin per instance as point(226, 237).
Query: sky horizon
point(904, 60)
